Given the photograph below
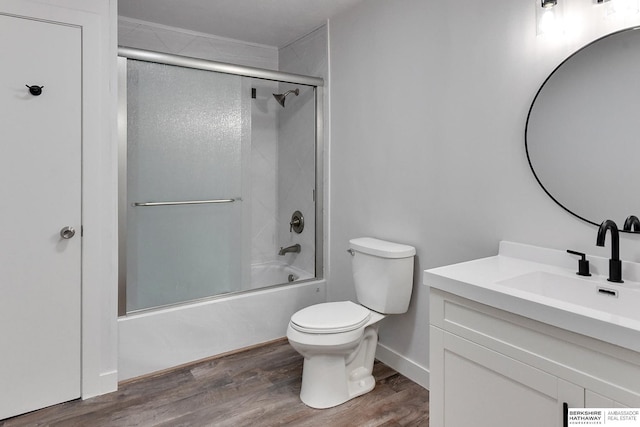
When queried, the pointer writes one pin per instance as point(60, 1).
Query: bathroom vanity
point(518, 337)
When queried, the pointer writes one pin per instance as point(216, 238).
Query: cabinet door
point(595, 400)
point(481, 388)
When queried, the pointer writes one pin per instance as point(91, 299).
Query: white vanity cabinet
point(493, 368)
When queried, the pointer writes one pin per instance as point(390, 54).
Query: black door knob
point(35, 90)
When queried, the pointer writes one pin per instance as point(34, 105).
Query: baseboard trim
point(407, 367)
point(107, 383)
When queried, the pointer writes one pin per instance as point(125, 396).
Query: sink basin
point(616, 300)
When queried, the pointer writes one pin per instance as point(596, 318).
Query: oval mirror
point(583, 130)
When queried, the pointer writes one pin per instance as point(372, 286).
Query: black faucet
point(615, 265)
point(632, 222)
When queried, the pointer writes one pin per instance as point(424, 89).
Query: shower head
point(281, 96)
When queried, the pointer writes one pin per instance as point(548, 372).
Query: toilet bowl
point(338, 353)
point(338, 339)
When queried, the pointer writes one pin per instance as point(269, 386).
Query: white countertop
point(480, 280)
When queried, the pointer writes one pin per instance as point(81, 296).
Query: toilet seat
point(330, 318)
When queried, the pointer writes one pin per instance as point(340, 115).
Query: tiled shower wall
point(264, 166)
point(296, 149)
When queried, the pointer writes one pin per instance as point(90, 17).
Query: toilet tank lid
point(381, 248)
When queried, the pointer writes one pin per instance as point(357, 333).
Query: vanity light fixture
point(549, 17)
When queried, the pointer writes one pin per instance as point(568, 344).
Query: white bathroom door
point(40, 195)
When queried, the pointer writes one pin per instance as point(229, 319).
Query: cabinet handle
point(565, 414)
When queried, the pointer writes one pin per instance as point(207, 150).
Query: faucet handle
point(297, 222)
point(583, 263)
point(632, 222)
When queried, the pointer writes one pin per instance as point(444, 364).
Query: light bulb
point(549, 17)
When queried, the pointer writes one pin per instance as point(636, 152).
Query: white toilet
point(338, 339)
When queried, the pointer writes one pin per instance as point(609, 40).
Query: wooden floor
point(257, 387)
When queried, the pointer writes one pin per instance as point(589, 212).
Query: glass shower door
point(187, 133)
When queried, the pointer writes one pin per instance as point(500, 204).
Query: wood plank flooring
point(257, 387)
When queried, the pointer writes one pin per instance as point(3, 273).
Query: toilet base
point(332, 379)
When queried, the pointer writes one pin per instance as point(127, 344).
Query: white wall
point(429, 103)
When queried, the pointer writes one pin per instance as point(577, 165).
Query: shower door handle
point(67, 232)
point(187, 202)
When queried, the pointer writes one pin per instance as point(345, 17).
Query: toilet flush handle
point(351, 252)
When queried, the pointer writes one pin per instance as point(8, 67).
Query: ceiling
point(268, 22)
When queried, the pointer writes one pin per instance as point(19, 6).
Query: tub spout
point(294, 248)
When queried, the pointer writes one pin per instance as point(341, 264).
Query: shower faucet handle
point(297, 222)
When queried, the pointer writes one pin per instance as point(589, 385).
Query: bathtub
point(275, 273)
point(159, 339)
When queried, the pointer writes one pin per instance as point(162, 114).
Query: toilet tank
point(383, 274)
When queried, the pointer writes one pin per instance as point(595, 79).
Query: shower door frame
point(317, 83)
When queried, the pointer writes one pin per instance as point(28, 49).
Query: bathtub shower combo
point(220, 182)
